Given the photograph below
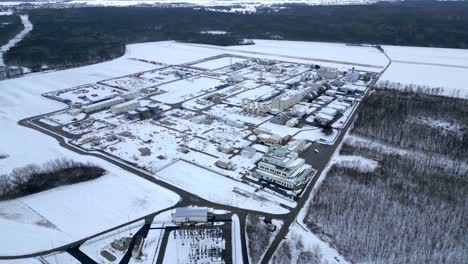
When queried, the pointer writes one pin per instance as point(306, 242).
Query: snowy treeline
point(293, 251)
point(259, 237)
point(413, 120)
point(413, 207)
point(33, 178)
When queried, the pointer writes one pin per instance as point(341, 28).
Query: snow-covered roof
point(191, 211)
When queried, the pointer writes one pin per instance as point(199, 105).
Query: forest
point(70, 37)
point(259, 238)
point(411, 208)
point(33, 178)
point(10, 25)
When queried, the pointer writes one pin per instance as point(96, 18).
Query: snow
point(77, 211)
point(195, 178)
point(258, 93)
point(185, 89)
point(311, 242)
point(236, 240)
point(93, 247)
point(218, 63)
point(27, 28)
point(61, 257)
point(234, 113)
point(362, 163)
point(431, 67)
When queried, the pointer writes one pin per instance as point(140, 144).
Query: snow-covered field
point(69, 213)
point(431, 67)
point(218, 63)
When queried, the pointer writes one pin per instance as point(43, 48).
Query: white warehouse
point(292, 97)
point(102, 105)
point(125, 107)
point(190, 215)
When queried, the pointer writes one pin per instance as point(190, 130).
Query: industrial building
point(328, 73)
point(225, 164)
point(352, 76)
point(254, 108)
point(144, 112)
point(125, 107)
point(291, 98)
point(191, 215)
point(131, 95)
point(132, 115)
point(102, 105)
point(297, 145)
point(352, 89)
point(322, 118)
point(283, 167)
point(248, 152)
point(271, 139)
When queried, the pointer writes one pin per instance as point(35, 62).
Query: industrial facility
point(283, 167)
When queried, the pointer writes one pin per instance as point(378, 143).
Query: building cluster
point(283, 167)
point(254, 108)
point(292, 97)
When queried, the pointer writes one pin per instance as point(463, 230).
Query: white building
point(322, 118)
point(190, 215)
point(352, 76)
point(125, 107)
point(235, 78)
point(292, 122)
point(283, 167)
point(248, 152)
point(130, 95)
point(102, 105)
point(255, 108)
point(328, 73)
point(297, 145)
point(291, 98)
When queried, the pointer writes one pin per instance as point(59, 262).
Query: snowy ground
point(182, 90)
point(431, 67)
point(69, 213)
point(93, 247)
point(194, 178)
point(218, 63)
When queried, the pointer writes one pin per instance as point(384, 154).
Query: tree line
point(413, 207)
point(71, 37)
point(33, 178)
point(10, 25)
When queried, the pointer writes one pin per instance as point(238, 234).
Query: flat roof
point(191, 211)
